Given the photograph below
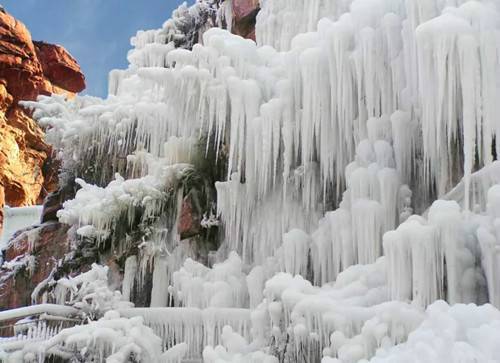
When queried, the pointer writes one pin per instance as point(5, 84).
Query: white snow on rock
point(16, 219)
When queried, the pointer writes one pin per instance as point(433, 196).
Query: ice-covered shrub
point(90, 292)
point(112, 339)
point(235, 349)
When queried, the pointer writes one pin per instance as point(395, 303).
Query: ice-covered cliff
point(329, 193)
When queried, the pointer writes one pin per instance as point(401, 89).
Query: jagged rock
point(47, 244)
point(244, 15)
point(19, 65)
point(27, 171)
point(2, 202)
point(190, 219)
point(55, 200)
point(28, 69)
point(59, 67)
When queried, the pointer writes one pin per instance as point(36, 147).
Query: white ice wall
point(16, 219)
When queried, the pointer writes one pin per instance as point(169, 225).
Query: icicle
point(129, 277)
point(403, 131)
point(333, 246)
point(489, 239)
point(159, 291)
point(367, 230)
point(295, 252)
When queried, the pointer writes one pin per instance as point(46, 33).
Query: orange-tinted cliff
point(28, 69)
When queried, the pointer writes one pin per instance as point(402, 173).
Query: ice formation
point(459, 333)
point(342, 121)
point(96, 211)
point(16, 219)
point(89, 292)
point(116, 338)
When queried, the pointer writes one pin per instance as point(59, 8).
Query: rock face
point(244, 14)
point(37, 251)
point(190, 219)
point(28, 69)
point(59, 67)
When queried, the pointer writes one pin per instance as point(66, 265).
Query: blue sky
point(96, 32)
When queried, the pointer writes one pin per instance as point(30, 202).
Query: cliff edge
point(28, 69)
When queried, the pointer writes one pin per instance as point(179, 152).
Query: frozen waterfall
point(360, 190)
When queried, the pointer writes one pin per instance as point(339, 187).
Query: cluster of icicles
point(370, 108)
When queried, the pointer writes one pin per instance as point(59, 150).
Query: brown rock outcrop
point(38, 251)
point(244, 16)
point(19, 65)
point(190, 219)
point(59, 67)
point(2, 199)
point(28, 69)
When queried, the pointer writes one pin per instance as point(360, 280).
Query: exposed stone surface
point(28, 69)
point(59, 67)
point(19, 65)
point(55, 200)
point(47, 244)
point(27, 171)
point(2, 202)
point(244, 15)
point(190, 219)
point(22, 154)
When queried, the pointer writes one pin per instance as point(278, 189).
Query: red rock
point(54, 201)
point(26, 71)
point(189, 221)
point(244, 16)
point(19, 64)
point(60, 68)
point(2, 202)
point(27, 171)
point(48, 243)
point(244, 8)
